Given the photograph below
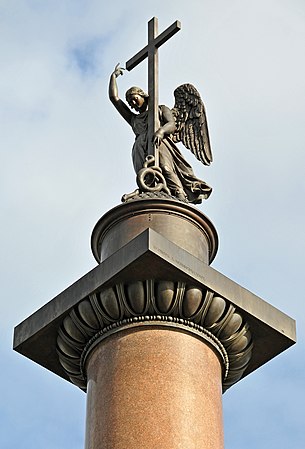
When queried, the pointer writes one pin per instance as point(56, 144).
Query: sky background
point(65, 160)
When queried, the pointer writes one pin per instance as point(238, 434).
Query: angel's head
point(137, 99)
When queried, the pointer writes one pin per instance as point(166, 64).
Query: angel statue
point(185, 123)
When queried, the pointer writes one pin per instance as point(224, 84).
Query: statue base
point(181, 223)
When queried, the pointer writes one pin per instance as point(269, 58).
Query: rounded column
point(154, 388)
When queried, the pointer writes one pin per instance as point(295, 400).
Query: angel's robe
point(175, 169)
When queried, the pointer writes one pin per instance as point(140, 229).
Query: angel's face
point(137, 102)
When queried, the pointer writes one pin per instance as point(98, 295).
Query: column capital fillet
point(157, 321)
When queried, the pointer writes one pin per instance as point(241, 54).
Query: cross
point(150, 51)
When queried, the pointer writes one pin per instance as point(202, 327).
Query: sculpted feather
point(191, 123)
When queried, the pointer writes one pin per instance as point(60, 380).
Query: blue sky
point(65, 160)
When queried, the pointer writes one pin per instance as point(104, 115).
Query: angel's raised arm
point(114, 95)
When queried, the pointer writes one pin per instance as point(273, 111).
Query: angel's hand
point(158, 137)
point(118, 70)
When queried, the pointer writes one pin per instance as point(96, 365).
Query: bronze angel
point(185, 123)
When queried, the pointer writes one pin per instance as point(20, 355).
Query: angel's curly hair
point(135, 90)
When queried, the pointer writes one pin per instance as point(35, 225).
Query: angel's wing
point(191, 122)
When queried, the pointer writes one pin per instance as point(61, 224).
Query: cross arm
point(168, 33)
point(159, 40)
point(136, 59)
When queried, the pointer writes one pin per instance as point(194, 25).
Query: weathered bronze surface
point(150, 51)
point(155, 304)
point(157, 161)
point(150, 257)
point(184, 225)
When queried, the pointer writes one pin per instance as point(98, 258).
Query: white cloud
point(65, 160)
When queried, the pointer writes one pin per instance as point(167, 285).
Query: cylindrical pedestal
point(179, 222)
point(151, 388)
